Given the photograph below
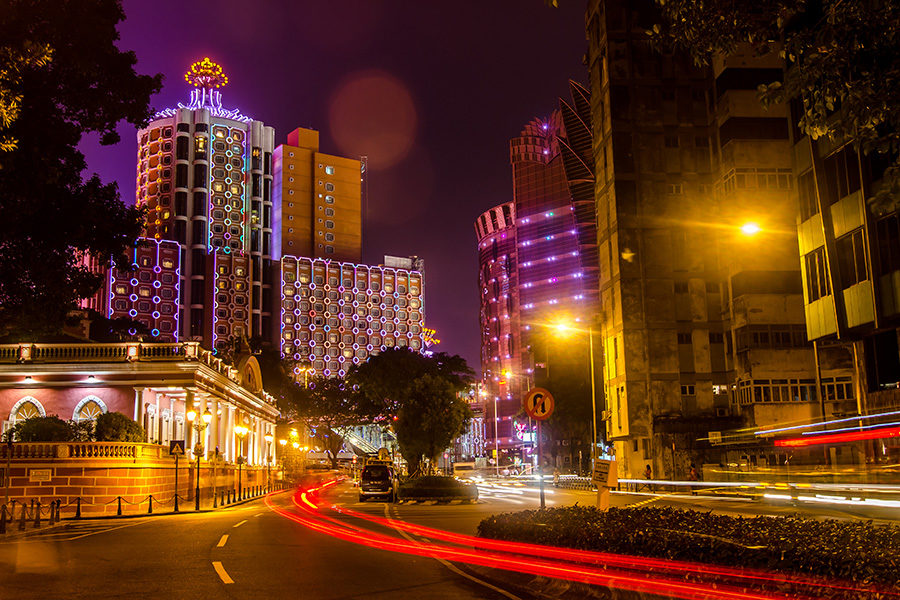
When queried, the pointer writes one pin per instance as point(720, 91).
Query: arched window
point(89, 409)
point(26, 408)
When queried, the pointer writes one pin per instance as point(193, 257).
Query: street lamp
point(283, 443)
point(199, 427)
point(563, 328)
point(268, 437)
point(750, 229)
point(240, 431)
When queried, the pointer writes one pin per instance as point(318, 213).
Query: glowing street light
point(750, 229)
point(240, 431)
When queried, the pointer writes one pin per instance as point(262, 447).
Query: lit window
point(329, 199)
point(329, 170)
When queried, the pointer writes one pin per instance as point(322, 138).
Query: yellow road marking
point(223, 574)
point(222, 541)
point(241, 523)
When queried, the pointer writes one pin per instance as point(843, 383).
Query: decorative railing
point(90, 450)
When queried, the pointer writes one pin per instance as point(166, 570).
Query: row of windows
point(792, 390)
point(88, 408)
point(361, 284)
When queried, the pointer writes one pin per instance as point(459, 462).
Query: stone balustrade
point(86, 450)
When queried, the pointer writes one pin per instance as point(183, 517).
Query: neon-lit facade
point(336, 314)
point(205, 174)
point(149, 293)
point(537, 256)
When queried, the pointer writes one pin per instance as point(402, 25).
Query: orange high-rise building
point(320, 196)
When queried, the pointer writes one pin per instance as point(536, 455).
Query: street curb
point(17, 534)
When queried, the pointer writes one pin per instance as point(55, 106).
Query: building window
point(671, 141)
point(329, 170)
point(329, 199)
point(329, 224)
point(329, 212)
point(841, 174)
point(852, 258)
point(684, 338)
point(688, 390)
point(816, 275)
point(329, 237)
point(329, 187)
point(329, 249)
point(806, 189)
point(89, 409)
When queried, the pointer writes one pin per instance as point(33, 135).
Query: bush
point(856, 551)
point(432, 486)
point(116, 427)
point(42, 429)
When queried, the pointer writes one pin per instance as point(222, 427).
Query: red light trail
point(637, 574)
point(837, 438)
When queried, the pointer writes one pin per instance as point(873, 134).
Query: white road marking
point(222, 541)
point(448, 564)
point(241, 523)
point(220, 570)
point(258, 514)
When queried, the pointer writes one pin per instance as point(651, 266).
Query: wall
point(99, 472)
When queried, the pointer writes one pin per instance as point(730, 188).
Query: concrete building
point(318, 198)
point(205, 174)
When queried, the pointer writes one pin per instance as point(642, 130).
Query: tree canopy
point(61, 76)
point(842, 59)
point(429, 419)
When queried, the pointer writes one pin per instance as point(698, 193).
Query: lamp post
point(240, 431)
point(268, 437)
point(199, 427)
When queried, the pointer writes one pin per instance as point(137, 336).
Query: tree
point(116, 427)
point(326, 406)
point(41, 429)
point(386, 380)
point(61, 76)
point(429, 419)
point(842, 59)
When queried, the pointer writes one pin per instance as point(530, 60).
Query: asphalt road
point(251, 551)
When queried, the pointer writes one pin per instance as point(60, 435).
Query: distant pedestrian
point(648, 475)
point(693, 475)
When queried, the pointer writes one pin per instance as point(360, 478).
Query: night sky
point(430, 91)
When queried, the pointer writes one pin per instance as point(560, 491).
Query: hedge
point(432, 486)
point(851, 551)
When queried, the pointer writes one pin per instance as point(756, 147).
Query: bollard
point(150, 507)
point(119, 511)
point(22, 519)
point(58, 510)
point(51, 520)
point(37, 515)
point(3, 519)
point(78, 507)
point(176, 501)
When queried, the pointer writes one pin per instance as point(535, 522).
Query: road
point(254, 551)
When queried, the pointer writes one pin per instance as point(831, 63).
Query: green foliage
point(855, 551)
point(386, 380)
point(75, 81)
point(430, 417)
point(432, 486)
point(326, 406)
point(116, 427)
point(843, 62)
point(42, 429)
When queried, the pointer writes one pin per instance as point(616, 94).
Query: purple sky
point(441, 86)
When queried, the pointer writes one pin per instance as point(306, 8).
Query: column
point(159, 421)
point(214, 424)
point(139, 405)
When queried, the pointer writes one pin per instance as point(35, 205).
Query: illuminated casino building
point(205, 174)
point(149, 293)
point(537, 254)
point(336, 314)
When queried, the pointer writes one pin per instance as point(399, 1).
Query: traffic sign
point(176, 447)
point(538, 403)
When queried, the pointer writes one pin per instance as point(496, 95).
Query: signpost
point(605, 477)
point(176, 449)
point(538, 403)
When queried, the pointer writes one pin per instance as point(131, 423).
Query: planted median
point(860, 552)
point(437, 488)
